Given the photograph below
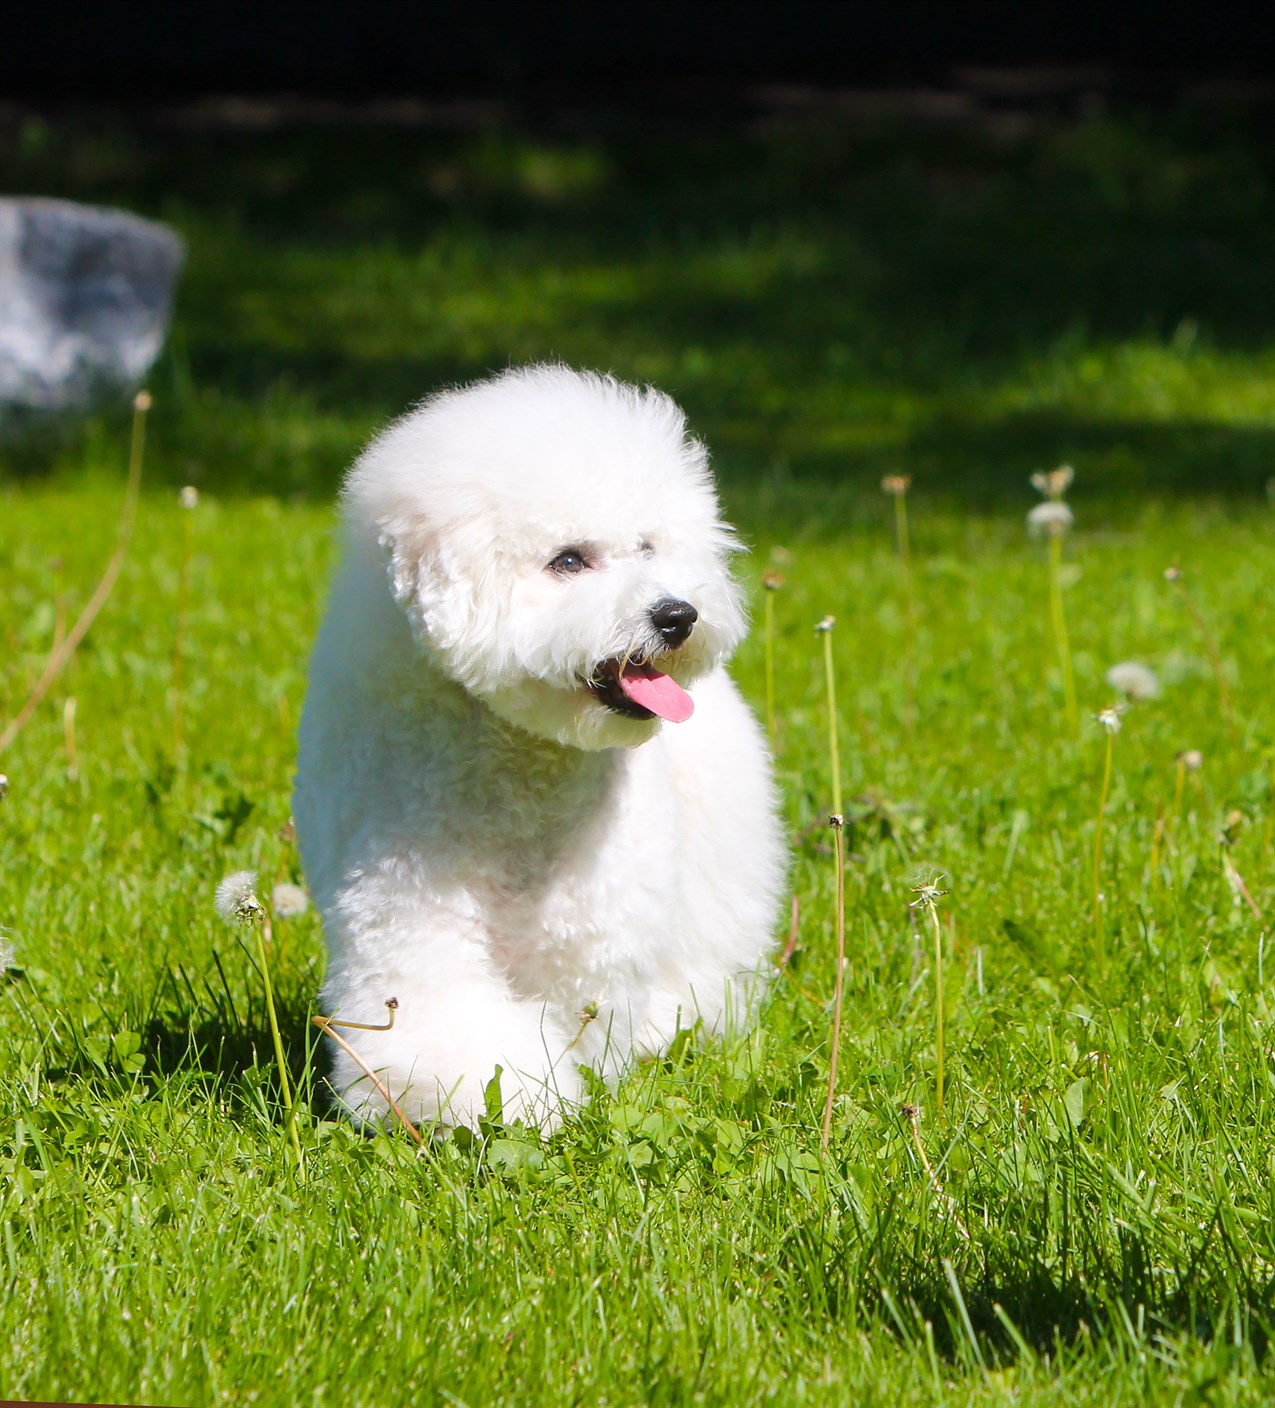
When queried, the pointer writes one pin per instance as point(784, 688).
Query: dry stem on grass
point(65, 647)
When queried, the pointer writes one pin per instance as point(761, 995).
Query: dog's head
point(554, 538)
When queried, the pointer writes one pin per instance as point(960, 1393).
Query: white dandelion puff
point(189, 497)
point(288, 901)
point(236, 898)
point(1053, 518)
point(8, 956)
point(1191, 759)
point(1135, 680)
point(826, 624)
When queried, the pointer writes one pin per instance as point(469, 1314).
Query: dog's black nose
point(673, 619)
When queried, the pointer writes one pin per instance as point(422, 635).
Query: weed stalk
point(837, 822)
point(830, 685)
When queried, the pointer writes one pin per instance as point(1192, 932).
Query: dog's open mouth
point(638, 690)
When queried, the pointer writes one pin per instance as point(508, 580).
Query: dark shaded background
point(382, 48)
point(851, 239)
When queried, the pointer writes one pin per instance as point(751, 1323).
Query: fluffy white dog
point(531, 805)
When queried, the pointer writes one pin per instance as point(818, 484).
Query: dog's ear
point(413, 558)
point(410, 553)
point(384, 519)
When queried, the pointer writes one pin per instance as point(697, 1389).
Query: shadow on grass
point(1010, 1307)
point(839, 297)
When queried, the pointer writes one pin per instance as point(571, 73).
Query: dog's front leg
point(456, 1022)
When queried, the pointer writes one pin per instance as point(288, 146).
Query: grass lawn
point(1090, 1216)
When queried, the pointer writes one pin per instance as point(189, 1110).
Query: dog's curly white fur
point(499, 827)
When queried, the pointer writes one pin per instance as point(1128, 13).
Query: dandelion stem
point(264, 936)
point(179, 628)
point(68, 735)
point(1097, 848)
point(67, 646)
point(1157, 842)
point(836, 822)
point(770, 666)
point(940, 1035)
point(834, 747)
point(1174, 575)
point(905, 548)
point(1178, 785)
point(913, 1116)
point(909, 605)
point(1061, 640)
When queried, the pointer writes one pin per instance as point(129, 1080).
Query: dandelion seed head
point(836, 821)
point(1053, 518)
point(1109, 718)
point(1191, 759)
point(826, 624)
point(288, 900)
point(189, 497)
point(772, 581)
point(1172, 574)
point(142, 401)
point(8, 956)
point(236, 898)
point(4, 787)
point(1133, 679)
point(897, 484)
point(1054, 483)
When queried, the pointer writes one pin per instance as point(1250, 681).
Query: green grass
point(1091, 1219)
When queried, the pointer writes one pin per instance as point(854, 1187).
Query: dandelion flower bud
point(236, 899)
point(1109, 717)
point(1052, 517)
point(928, 892)
point(1054, 483)
point(1134, 680)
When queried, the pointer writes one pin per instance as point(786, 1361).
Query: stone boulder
point(85, 297)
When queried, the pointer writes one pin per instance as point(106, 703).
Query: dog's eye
point(569, 561)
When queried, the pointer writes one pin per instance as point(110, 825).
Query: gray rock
point(85, 295)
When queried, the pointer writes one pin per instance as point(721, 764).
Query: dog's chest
point(575, 908)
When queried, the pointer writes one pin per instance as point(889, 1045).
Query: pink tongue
point(657, 692)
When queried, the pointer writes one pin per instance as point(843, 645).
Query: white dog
point(532, 807)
